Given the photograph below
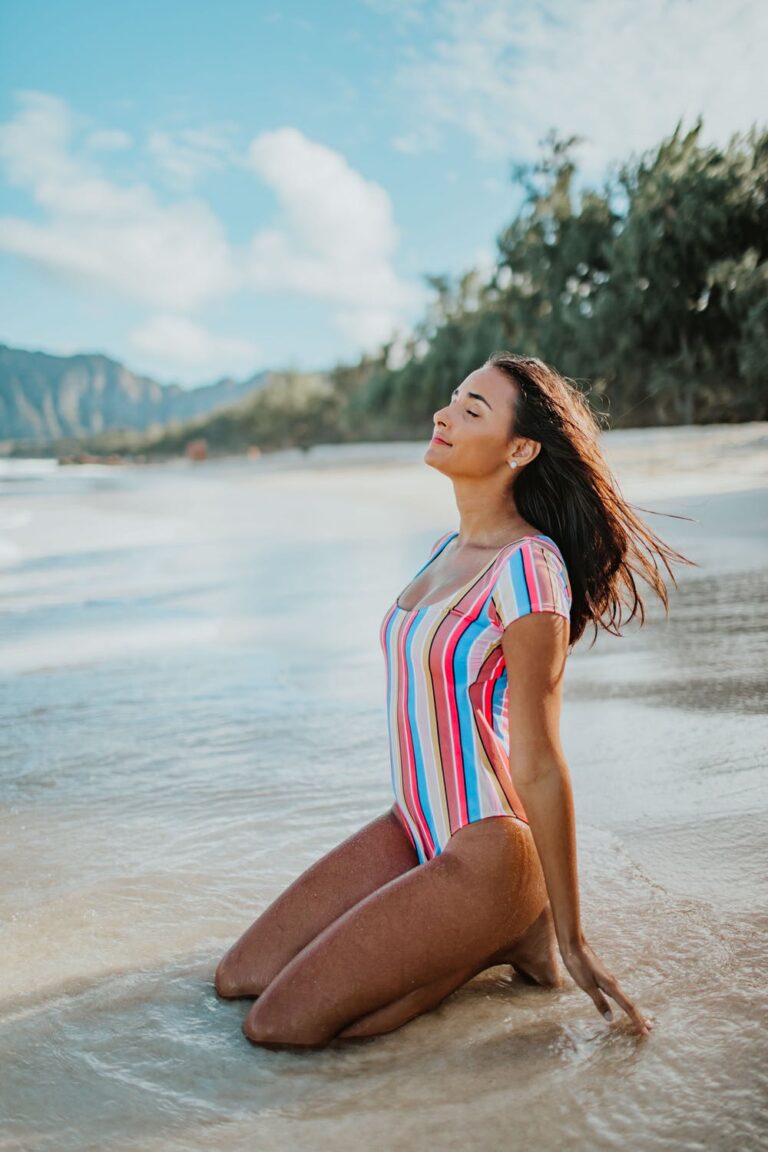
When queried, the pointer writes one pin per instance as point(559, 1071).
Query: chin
point(433, 458)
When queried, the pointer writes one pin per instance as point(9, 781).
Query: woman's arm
point(546, 795)
point(535, 648)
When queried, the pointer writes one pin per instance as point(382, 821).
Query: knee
point(229, 980)
point(224, 978)
point(235, 976)
point(266, 1026)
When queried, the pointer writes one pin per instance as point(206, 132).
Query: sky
point(203, 189)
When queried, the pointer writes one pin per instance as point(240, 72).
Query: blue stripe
point(390, 677)
point(497, 701)
point(421, 779)
point(519, 584)
point(394, 757)
point(466, 717)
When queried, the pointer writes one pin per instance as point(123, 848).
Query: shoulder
point(531, 577)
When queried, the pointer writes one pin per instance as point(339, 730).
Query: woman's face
point(472, 432)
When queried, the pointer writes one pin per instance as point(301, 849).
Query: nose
point(438, 418)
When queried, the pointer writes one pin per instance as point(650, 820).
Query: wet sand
point(192, 711)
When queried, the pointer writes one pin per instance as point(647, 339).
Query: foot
point(534, 955)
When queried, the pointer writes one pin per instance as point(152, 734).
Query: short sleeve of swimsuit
point(533, 578)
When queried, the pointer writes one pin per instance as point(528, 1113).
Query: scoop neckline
point(478, 576)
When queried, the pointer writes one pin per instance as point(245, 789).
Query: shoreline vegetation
point(650, 293)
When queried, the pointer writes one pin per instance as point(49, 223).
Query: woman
point(475, 863)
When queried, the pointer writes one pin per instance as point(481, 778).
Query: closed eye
point(469, 410)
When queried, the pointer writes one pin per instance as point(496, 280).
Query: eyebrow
point(475, 395)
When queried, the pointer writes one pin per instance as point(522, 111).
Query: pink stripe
point(447, 718)
point(384, 626)
point(407, 759)
point(439, 544)
point(532, 581)
point(498, 756)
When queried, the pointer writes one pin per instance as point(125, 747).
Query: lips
point(439, 440)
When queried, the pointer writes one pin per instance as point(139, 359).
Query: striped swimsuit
point(447, 691)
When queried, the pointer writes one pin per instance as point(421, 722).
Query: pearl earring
point(512, 463)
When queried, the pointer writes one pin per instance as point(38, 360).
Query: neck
point(487, 519)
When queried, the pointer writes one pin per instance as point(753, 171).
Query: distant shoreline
point(749, 437)
point(655, 465)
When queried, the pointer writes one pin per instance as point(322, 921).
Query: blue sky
point(201, 189)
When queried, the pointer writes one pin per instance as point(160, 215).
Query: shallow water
point(192, 712)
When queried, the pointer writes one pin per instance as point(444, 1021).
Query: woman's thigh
point(355, 868)
point(436, 923)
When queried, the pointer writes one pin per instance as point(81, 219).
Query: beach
point(192, 711)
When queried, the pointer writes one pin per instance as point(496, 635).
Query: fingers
point(601, 1003)
point(611, 986)
point(592, 976)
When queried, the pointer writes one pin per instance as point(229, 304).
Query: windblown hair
point(569, 493)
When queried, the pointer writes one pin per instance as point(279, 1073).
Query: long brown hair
point(569, 493)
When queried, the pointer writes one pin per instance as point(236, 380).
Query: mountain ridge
point(46, 397)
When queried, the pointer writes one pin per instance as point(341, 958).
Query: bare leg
point(534, 957)
point(414, 1004)
point(352, 870)
point(411, 942)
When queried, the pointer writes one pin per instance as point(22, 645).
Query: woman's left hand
point(594, 978)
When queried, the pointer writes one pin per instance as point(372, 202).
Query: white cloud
point(122, 239)
point(177, 340)
point(335, 242)
point(336, 239)
point(616, 72)
point(109, 140)
point(186, 156)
